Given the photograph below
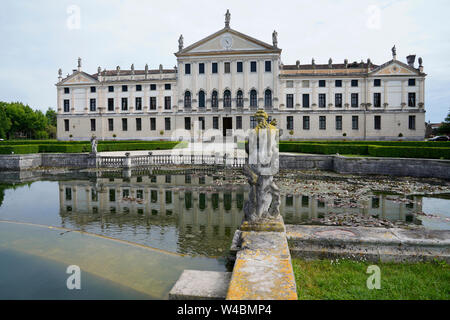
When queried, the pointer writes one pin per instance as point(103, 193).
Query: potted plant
point(70, 137)
point(400, 136)
point(161, 132)
point(114, 137)
point(291, 132)
point(344, 135)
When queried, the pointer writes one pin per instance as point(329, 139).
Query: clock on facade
point(227, 42)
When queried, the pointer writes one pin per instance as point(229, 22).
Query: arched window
point(227, 99)
point(214, 103)
point(201, 99)
point(253, 98)
point(239, 99)
point(268, 98)
point(187, 99)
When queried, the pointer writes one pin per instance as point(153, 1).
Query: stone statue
point(275, 38)
point(394, 52)
point(180, 43)
point(420, 62)
point(146, 68)
point(79, 63)
point(99, 70)
point(132, 68)
point(263, 205)
point(330, 63)
point(118, 70)
point(227, 19)
point(60, 72)
point(93, 145)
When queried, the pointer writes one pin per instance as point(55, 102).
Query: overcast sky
point(39, 37)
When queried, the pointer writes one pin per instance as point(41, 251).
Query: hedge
point(19, 149)
point(434, 144)
point(136, 146)
point(323, 148)
point(409, 152)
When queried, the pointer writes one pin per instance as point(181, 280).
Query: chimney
point(411, 59)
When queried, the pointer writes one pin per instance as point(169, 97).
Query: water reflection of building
point(195, 203)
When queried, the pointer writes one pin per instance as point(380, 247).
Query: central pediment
point(227, 41)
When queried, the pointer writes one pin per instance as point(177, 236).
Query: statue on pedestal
point(262, 209)
point(94, 145)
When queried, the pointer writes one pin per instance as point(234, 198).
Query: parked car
point(439, 138)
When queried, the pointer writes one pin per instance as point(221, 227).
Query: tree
point(445, 126)
point(5, 122)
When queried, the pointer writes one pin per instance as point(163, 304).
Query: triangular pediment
point(393, 68)
point(79, 77)
point(227, 41)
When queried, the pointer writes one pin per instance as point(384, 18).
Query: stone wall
point(35, 160)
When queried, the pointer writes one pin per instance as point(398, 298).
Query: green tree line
point(19, 121)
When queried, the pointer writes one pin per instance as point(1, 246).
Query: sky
point(39, 37)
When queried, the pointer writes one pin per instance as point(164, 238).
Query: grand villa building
point(220, 81)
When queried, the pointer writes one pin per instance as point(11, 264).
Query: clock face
point(227, 42)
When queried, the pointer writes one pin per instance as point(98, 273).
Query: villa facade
point(220, 81)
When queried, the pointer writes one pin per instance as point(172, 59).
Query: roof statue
point(275, 38)
point(394, 52)
point(180, 43)
point(227, 19)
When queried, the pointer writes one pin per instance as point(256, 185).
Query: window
point(201, 99)
point(338, 83)
point(66, 124)
point(93, 125)
point(239, 99)
point(124, 104)
point(167, 86)
point(92, 104)
point(412, 123)
point(214, 67)
point(411, 99)
point(201, 68)
point(377, 99)
point(110, 124)
point(289, 84)
point(68, 194)
point(66, 105)
point(66, 90)
point(377, 83)
point(187, 123)
point(214, 100)
point(227, 67)
point(201, 121)
point(112, 195)
point(138, 124)
point(268, 66)
point(322, 100)
point(110, 104)
point(110, 88)
point(377, 122)
point(167, 123)
point(138, 103)
point(322, 123)
point(124, 88)
point(93, 89)
point(290, 123)
point(138, 87)
point(253, 122)
point(305, 100)
point(239, 67)
point(289, 100)
point(252, 66)
point(238, 122)
point(354, 83)
point(411, 82)
point(355, 123)
point(322, 83)
point(305, 83)
point(268, 98)
point(153, 124)
point(124, 124)
point(187, 68)
point(187, 99)
point(215, 122)
point(153, 87)
point(354, 101)
point(338, 100)
point(227, 99)
point(305, 122)
point(167, 103)
point(338, 122)
point(152, 103)
point(253, 98)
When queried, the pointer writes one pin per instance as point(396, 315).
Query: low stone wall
point(35, 160)
point(20, 161)
point(429, 168)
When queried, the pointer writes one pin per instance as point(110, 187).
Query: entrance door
point(227, 124)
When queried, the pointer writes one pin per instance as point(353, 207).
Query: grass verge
point(346, 280)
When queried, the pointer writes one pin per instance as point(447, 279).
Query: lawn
point(346, 280)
